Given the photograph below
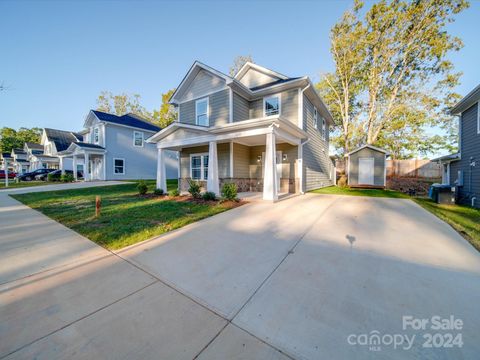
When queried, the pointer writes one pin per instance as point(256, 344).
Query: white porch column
point(62, 167)
point(104, 167)
point(270, 185)
point(161, 171)
point(300, 169)
point(86, 174)
point(212, 181)
point(74, 164)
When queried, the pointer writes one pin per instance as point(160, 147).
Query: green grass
point(126, 218)
point(12, 184)
point(464, 219)
point(335, 190)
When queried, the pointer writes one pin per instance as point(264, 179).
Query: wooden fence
point(419, 169)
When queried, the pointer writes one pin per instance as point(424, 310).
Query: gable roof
point(273, 83)
point(131, 120)
point(368, 146)
point(249, 65)
point(471, 98)
point(62, 139)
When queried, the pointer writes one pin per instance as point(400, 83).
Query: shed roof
point(368, 146)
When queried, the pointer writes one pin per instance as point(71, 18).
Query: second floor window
point(96, 136)
point(138, 138)
point(271, 105)
point(315, 118)
point(324, 128)
point(201, 112)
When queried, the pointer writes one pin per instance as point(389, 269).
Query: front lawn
point(335, 190)
point(464, 219)
point(126, 218)
point(12, 184)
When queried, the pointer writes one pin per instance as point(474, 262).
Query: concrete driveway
point(290, 280)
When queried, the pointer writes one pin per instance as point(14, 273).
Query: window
point(324, 128)
point(95, 136)
point(119, 166)
point(138, 138)
point(199, 166)
point(315, 118)
point(271, 105)
point(201, 112)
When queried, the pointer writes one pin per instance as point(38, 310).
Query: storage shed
point(367, 167)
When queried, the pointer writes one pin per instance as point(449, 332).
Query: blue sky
point(56, 57)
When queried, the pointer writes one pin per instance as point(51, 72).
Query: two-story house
point(463, 169)
point(20, 161)
point(260, 129)
point(114, 148)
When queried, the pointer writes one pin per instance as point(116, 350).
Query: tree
point(396, 62)
point(238, 62)
point(11, 139)
point(167, 113)
point(121, 104)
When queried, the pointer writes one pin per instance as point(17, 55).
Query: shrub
point(209, 196)
point(342, 182)
point(142, 187)
point(158, 192)
point(174, 192)
point(51, 177)
point(229, 191)
point(67, 178)
point(194, 189)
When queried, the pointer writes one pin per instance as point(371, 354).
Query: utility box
point(442, 194)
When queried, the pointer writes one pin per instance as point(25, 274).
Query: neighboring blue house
point(463, 169)
point(114, 148)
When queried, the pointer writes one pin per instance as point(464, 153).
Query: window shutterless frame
point(315, 118)
point(203, 166)
point(115, 166)
point(138, 135)
point(272, 112)
point(202, 115)
point(96, 137)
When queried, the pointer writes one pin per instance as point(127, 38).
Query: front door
point(366, 168)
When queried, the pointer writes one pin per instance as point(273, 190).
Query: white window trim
point(315, 118)
point(208, 110)
point(122, 173)
point(324, 128)
point(143, 138)
point(279, 95)
point(96, 137)
point(202, 168)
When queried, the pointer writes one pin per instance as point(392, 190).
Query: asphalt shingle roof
point(90, 146)
point(35, 146)
point(61, 138)
point(128, 120)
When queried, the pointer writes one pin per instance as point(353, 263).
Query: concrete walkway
point(264, 281)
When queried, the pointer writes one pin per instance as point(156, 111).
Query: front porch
point(260, 155)
point(88, 161)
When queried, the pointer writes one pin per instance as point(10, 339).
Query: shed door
point(366, 171)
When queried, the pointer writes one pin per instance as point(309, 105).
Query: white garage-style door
point(366, 170)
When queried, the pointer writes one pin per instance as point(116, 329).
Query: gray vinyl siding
point(316, 161)
point(241, 109)
point(218, 108)
point(241, 161)
point(223, 153)
point(140, 162)
point(203, 83)
point(379, 166)
point(289, 106)
point(469, 147)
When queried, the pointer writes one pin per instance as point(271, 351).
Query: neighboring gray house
point(463, 169)
point(260, 129)
point(114, 148)
point(367, 167)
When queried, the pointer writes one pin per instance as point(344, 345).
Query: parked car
point(31, 175)
point(55, 175)
point(11, 174)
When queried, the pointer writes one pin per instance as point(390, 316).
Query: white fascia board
point(171, 128)
point(249, 65)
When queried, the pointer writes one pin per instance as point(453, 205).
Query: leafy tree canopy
point(13, 139)
point(393, 80)
point(238, 62)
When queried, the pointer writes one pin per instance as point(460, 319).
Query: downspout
point(301, 125)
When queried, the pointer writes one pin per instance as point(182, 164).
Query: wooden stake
point(98, 205)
